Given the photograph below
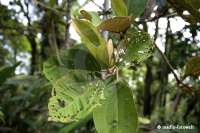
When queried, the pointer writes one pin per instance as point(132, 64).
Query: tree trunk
point(147, 92)
point(106, 8)
point(67, 34)
point(34, 53)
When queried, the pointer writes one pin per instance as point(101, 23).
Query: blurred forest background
point(32, 31)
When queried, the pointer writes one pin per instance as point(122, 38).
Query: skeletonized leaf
point(55, 68)
point(134, 48)
point(74, 96)
point(88, 34)
point(119, 7)
point(193, 66)
point(86, 15)
point(117, 113)
point(116, 24)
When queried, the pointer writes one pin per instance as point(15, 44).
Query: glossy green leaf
point(116, 24)
point(96, 20)
point(55, 68)
point(193, 66)
point(75, 95)
point(134, 48)
point(117, 113)
point(135, 7)
point(89, 34)
point(86, 15)
point(119, 7)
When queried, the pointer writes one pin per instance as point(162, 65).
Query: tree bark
point(67, 34)
point(34, 53)
point(106, 8)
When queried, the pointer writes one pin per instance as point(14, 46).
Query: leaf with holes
point(117, 113)
point(89, 34)
point(55, 68)
point(134, 48)
point(119, 7)
point(74, 96)
point(193, 66)
point(116, 24)
point(135, 7)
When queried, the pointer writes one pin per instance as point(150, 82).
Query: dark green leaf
point(117, 113)
point(135, 7)
point(7, 73)
point(55, 68)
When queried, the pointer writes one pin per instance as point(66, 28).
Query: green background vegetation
point(32, 31)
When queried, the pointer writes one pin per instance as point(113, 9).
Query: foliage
point(78, 92)
point(99, 76)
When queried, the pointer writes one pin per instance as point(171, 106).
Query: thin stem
point(97, 5)
point(54, 40)
point(49, 8)
point(117, 76)
point(172, 69)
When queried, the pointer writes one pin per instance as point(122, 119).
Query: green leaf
point(55, 68)
point(86, 15)
point(119, 7)
point(89, 34)
point(105, 53)
point(197, 93)
point(134, 48)
point(69, 127)
point(192, 6)
point(116, 24)
point(75, 95)
point(193, 66)
point(135, 7)
point(117, 113)
point(95, 18)
point(7, 72)
point(51, 3)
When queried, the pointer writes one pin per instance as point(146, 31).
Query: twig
point(49, 8)
point(97, 5)
point(172, 69)
point(54, 40)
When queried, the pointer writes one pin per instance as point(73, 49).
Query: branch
point(54, 40)
point(97, 5)
point(172, 69)
point(49, 8)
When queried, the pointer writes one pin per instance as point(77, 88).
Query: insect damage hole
point(61, 103)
